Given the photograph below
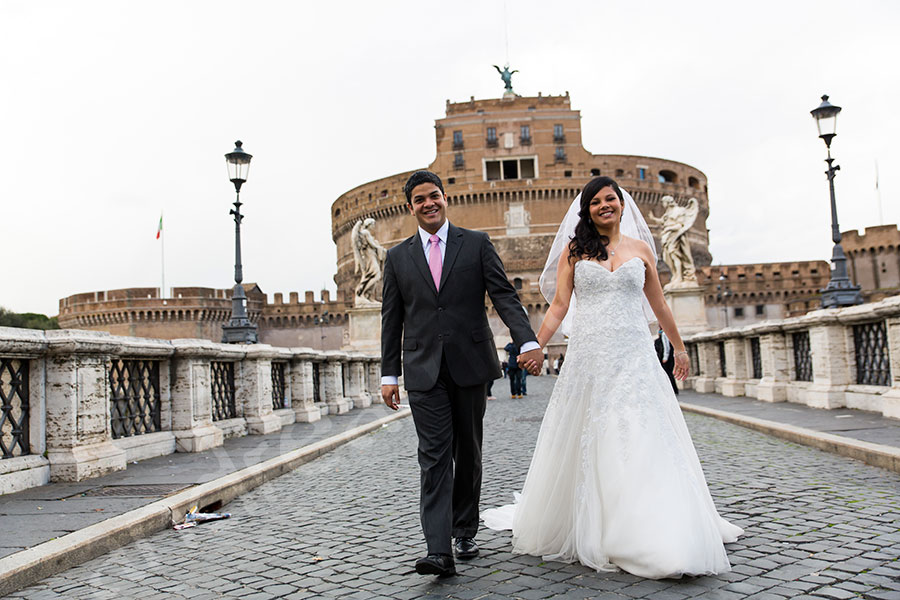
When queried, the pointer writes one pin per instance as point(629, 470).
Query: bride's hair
point(588, 243)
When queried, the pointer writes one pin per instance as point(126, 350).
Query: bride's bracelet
point(682, 352)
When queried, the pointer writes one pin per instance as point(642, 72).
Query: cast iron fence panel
point(222, 384)
point(316, 395)
point(14, 407)
point(722, 370)
point(756, 357)
point(278, 385)
point(803, 370)
point(873, 361)
point(694, 355)
point(135, 403)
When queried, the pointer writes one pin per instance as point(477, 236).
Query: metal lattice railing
point(756, 358)
point(278, 385)
point(14, 407)
point(803, 370)
point(873, 361)
point(694, 355)
point(315, 377)
point(722, 370)
point(222, 385)
point(135, 403)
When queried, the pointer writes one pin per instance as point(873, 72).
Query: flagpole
point(878, 195)
point(162, 246)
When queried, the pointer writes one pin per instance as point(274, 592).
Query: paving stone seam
point(877, 455)
point(49, 558)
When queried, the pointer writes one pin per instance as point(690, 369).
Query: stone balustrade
point(80, 404)
point(831, 358)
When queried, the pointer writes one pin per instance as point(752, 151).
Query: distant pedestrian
point(515, 373)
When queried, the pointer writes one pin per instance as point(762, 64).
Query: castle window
point(559, 136)
point(458, 161)
point(517, 283)
point(692, 182)
point(451, 180)
point(567, 173)
point(667, 177)
point(457, 140)
point(620, 173)
point(738, 311)
point(492, 137)
point(642, 173)
point(595, 172)
point(760, 310)
point(510, 168)
point(560, 154)
point(525, 135)
point(337, 212)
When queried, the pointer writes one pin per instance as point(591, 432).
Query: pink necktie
point(434, 260)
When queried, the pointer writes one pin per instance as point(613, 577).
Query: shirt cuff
point(528, 346)
point(389, 380)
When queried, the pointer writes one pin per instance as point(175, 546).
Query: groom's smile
point(428, 204)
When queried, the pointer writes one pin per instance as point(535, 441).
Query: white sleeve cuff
point(389, 380)
point(528, 346)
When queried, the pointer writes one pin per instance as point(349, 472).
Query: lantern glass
point(238, 162)
point(826, 118)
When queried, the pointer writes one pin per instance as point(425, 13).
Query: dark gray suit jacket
point(452, 322)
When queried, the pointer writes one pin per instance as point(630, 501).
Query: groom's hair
point(418, 178)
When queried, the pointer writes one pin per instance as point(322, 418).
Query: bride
point(614, 480)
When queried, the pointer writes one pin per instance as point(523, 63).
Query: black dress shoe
point(436, 564)
point(466, 548)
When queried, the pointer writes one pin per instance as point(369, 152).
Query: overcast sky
point(114, 111)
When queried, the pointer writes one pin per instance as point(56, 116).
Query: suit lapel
point(454, 243)
point(417, 254)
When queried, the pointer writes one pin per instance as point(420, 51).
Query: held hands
point(682, 366)
point(531, 361)
point(391, 396)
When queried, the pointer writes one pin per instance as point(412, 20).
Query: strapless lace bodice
point(608, 307)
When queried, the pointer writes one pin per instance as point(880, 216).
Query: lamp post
point(840, 291)
point(239, 329)
point(320, 321)
point(723, 293)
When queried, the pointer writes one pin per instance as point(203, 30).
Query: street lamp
point(840, 291)
point(723, 294)
point(239, 329)
point(321, 323)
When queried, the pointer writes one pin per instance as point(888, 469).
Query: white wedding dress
point(615, 480)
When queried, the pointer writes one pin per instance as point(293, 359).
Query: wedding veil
point(633, 225)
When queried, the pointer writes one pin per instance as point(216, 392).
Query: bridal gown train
point(615, 480)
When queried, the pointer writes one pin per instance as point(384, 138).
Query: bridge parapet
point(829, 358)
point(80, 404)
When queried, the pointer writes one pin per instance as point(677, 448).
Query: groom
point(434, 286)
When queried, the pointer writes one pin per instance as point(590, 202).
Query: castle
point(511, 166)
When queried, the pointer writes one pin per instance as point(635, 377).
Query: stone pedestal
point(356, 389)
point(736, 367)
point(302, 393)
point(331, 374)
point(831, 368)
point(707, 354)
point(775, 366)
point(256, 390)
point(688, 307)
point(79, 440)
point(365, 329)
point(192, 398)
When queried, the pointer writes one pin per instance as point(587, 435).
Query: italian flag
point(159, 229)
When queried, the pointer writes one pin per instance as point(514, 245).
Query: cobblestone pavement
point(346, 525)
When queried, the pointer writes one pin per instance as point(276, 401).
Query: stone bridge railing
point(79, 404)
point(831, 358)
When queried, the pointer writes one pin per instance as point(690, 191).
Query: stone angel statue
point(368, 258)
point(676, 250)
